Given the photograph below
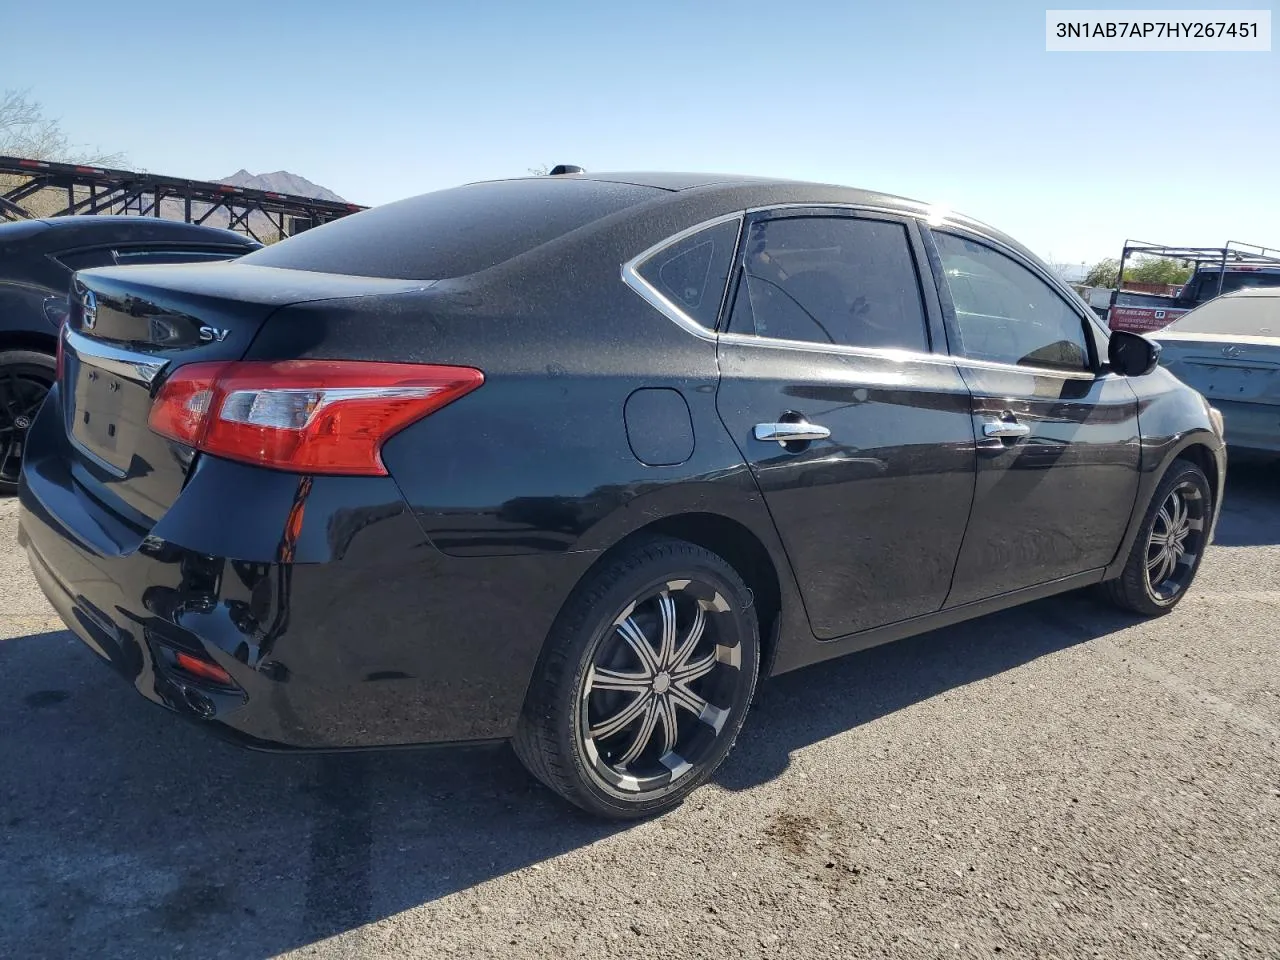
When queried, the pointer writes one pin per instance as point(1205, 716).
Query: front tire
point(25, 379)
point(1170, 544)
point(644, 682)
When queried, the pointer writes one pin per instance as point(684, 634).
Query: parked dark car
point(570, 460)
point(37, 258)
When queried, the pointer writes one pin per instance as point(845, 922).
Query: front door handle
point(1005, 429)
point(791, 432)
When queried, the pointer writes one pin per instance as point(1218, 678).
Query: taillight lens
point(61, 361)
point(310, 416)
point(202, 669)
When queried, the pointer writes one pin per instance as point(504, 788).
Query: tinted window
point(87, 259)
point(1207, 283)
point(452, 233)
point(692, 273)
point(836, 280)
point(1006, 313)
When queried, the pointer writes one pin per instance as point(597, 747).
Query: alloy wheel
point(660, 686)
point(22, 391)
point(1176, 541)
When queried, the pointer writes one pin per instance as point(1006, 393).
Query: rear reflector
point(202, 669)
point(310, 416)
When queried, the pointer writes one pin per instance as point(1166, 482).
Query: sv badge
point(213, 335)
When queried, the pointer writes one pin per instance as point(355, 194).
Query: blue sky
point(949, 102)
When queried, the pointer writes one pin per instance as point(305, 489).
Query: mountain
point(282, 181)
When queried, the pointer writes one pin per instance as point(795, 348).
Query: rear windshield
point(1208, 282)
point(1248, 316)
point(452, 233)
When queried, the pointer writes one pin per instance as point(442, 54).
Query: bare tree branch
point(25, 131)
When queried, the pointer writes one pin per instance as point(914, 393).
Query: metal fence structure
point(101, 190)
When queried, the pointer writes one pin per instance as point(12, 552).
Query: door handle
point(1005, 429)
point(791, 432)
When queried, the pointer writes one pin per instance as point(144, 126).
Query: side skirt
point(793, 656)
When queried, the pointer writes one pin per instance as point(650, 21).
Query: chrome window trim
point(1072, 299)
point(862, 207)
point(901, 356)
point(631, 277)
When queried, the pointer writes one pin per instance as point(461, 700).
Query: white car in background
point(1229, 350)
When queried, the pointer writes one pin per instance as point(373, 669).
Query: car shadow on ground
point(1250, 517)
point(125, 832)
point(128, 831)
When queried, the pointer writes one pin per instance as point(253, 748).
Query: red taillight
point(61, 339)
point(202, 669)
point(312, 416)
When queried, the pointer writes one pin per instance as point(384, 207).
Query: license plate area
point(108, 413)
point(1233, 381)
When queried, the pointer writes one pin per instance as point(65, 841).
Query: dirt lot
point(1056, 781)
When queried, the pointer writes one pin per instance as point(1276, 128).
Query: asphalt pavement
point(1054, 781)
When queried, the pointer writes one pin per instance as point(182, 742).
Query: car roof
point(747, 191)
point(741, 191)
point(709, 182)
point(673, 180)
point(491, 222)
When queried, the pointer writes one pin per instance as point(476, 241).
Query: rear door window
point(837, 280)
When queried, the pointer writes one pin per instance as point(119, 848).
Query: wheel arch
point(46, 343)
point(1201, 454)
point(728, 538)
point(742, 550)
point(1201, 447)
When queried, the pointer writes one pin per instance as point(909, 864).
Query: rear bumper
point(1251, 426)
point(366, 637)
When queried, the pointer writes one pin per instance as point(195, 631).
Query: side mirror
point(1131, 355)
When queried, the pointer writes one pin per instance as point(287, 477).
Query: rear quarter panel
point(537, 463)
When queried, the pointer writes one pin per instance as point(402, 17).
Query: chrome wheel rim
point(21, 395)
point(662, 683)
point(1176, 541)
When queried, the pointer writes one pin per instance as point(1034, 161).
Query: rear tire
point(644, 682)
point(1170, 545)
point(25, 379)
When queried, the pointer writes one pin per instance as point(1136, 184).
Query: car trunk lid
point(129, 327)
point(1225, 367)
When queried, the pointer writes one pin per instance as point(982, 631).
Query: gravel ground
point(1055, 781)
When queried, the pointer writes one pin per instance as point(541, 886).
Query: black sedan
point(571, 460)
point(37, 259)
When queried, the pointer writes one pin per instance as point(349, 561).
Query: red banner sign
point(1142, 319)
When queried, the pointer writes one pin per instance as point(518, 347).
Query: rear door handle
point(791, 432)
point(1005, 429)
